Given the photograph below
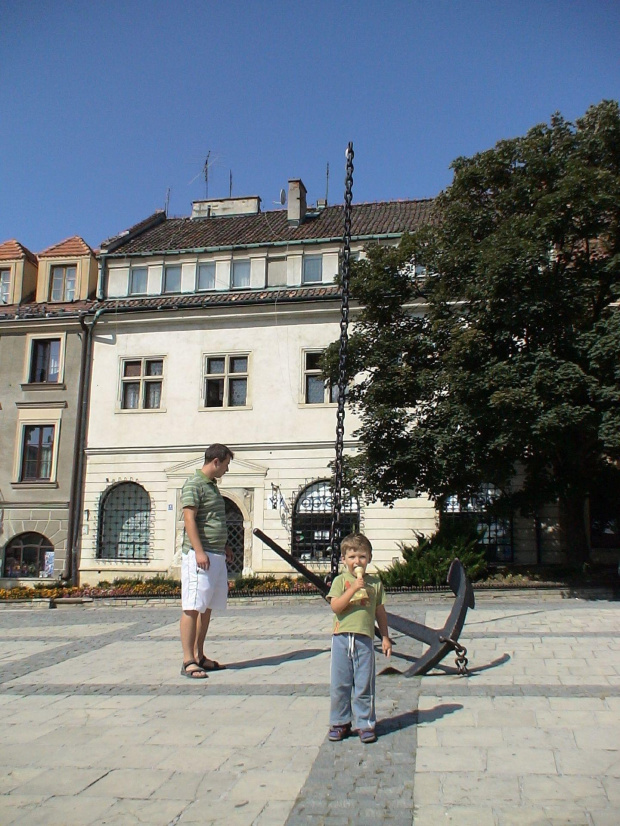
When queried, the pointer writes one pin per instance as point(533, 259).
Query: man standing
point(204, 576)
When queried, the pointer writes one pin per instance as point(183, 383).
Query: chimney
point(296, 201)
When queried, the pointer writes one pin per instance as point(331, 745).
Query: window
point(476, 513)
point(138, 280)
point(316, 389)
point(172, 279)
point(44, 361)
point(141, 384)
point(312, 519)
point(276, 272)
point(37, 452)
point(226, 381)
point(124, 523)
point(605, 509)
point(240, 274)
point(206, 277)
point(313, 269)
point(29, 555)
point(5, 283)
point(63, 283)
point(236, 536)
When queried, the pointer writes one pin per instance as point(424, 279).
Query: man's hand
point(202, 560)
point(229, 554)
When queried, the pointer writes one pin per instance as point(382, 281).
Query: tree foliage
point(501, 365)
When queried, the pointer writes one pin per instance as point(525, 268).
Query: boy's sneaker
point(337, 733)
point(367, 735)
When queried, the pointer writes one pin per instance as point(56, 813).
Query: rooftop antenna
point(167, 201)
point(230, 185)
point(206, 172)
point(327, 184)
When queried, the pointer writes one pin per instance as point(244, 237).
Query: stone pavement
point(98, 727)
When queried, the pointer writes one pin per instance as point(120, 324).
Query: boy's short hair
point(355, 542)
point(218, 451)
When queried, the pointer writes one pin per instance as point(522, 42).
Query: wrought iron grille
point(234, 523)
point(312, 519)
point(125, 523)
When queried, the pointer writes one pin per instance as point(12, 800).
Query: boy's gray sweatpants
point(352, 678)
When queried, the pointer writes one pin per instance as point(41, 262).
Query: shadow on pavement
point(412, 718)
point(304, 654)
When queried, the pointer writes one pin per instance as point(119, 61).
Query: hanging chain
point(461, 655)
point(335, 530)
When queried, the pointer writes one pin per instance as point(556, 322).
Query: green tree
point(502, 364)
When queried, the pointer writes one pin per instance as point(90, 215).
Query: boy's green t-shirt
point(202, 493)
point(358, 618)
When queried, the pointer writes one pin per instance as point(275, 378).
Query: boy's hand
point(202, 560)
point(386, 646)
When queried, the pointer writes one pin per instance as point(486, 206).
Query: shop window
point(29, 555)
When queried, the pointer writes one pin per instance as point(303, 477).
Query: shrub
point(427, 561)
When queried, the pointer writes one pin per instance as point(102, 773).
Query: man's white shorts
point(200, 589)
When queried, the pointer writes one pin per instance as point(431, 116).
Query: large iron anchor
point(440, 641)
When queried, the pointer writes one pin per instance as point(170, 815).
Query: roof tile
point(11, 250)
point(70, 246)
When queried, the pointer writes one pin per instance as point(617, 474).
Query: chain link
point(461, 655)
point(335, 530)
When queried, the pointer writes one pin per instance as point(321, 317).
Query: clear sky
point(106, 105)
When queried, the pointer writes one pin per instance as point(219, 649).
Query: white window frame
point(312, 259)
point(142, 380)
point(36, 417)
point(236, 265)
point(30, 340)
point(5, 285)
point(212, 267)
point(306, 372)
point(227, 376)
point(66, 295)
point(168, 268)
point(131, 290)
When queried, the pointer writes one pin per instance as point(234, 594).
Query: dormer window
point(5, 283)
point(240, 274)
point(313, 269)
point(206, 277)
point(172, 279)
point(137, 281)
point(63, 283)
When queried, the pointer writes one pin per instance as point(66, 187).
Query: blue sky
point(106, 105)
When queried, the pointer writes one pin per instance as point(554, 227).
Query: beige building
point(42, 301)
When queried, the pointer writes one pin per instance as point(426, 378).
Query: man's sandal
point(197, 673)
point(367, 735)
point(337, 733)
point(203, 663)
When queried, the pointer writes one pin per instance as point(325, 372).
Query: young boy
point(356, 603)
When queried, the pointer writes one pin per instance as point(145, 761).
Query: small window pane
point(237, 392)
point(172, 280)
point(70, 284)
point(239, 364)
point(132, 368)
point(206, 277)
point(131, 395)
point(214, 394)
point(313, 361)
point(138, 281)
point(313, 269)
point(315, 390)
point(241, 274)
point(5, 281)
point(152, 395)
point(154, 368)
point(57, 283)
point(215, 365)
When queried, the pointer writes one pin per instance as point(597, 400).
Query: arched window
point(312, 519)
point(124, 523)
point(29, 555)
point(234, 523)
point(477, 513)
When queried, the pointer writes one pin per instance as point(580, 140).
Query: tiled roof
point(233, 297)
point(69, 247)
point(373, 219)
point(11, 250)
point(41, 310)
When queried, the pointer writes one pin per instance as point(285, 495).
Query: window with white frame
point(240, 274)
point(141, 383)
point(316, 389)
point(37, 452)
point(172, 279)
point(44, 361)
point(5, 285)
point(62, 280)
point(138, 277)
point(226, 380)
point(313, 269)
point(205, 279)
